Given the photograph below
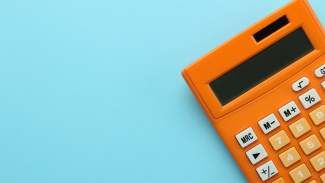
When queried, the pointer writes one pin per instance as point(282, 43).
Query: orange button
point(300, 173)
point(279, 180)
point(322, 132)
point(318, 115)
point(322, 177)
point(279, 140)
point(289, 157)
point(299, 127)
point(318, 161)
point(310, 144)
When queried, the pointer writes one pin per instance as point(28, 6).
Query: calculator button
point(246, 137)
point(318, 161)
point(309, 98)
point(279, 180)
point(313, 181)
point(267, 170)
point(322, 132)
point(300, 84)
point(322, 177)
point(323, 84)
point(289, 111)
point(256, 154)
point(318, 115)
point(310, 144)
point(320, 71)
point(279, 140)
point(299, 127)
point(289, 157)
point(269, 123)
point(300, 173)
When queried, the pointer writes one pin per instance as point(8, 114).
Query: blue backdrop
point(91, 91)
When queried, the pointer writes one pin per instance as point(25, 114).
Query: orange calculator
point(264, 92)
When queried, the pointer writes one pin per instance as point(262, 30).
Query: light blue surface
point(91, 91)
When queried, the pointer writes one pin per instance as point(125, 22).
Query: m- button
point(246, 137)
point(269, 123)
point(289, 111)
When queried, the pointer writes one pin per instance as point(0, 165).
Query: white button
point(246, 137)
point(267, 170)
point(300, 84)
point(256, 154)
point(320, 71)
point(289, 111)
point(269, 123)
point(309, 98)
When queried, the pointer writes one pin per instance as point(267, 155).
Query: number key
point(279, 140)
point(317, 115)
point(279, 180)
point(289, 157)
point(299, 127)
point(318, 161)
point(322, 177)
point(310, 144)
point(300, 173)
point(322, 132)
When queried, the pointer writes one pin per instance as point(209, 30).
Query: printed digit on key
point(299, 127)
point(319, 115)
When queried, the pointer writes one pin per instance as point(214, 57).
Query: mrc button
point(246, 137)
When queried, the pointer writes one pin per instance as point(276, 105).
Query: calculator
point(264, 92)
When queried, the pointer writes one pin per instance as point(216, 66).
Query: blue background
point(91, 91)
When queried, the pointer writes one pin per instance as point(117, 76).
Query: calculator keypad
point(310, 144)
point(289, 111)
point(309, 98)
point(289, 157)
point(299, 127)
point(300, 173)
point(279, 140)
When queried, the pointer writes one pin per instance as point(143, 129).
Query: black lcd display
point(261, 66)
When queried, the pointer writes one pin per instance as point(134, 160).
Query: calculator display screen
point(261, 66)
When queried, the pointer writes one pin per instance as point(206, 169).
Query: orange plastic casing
point(267, 97)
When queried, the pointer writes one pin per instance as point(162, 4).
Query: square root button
point(289, 111)
point(269, 123)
